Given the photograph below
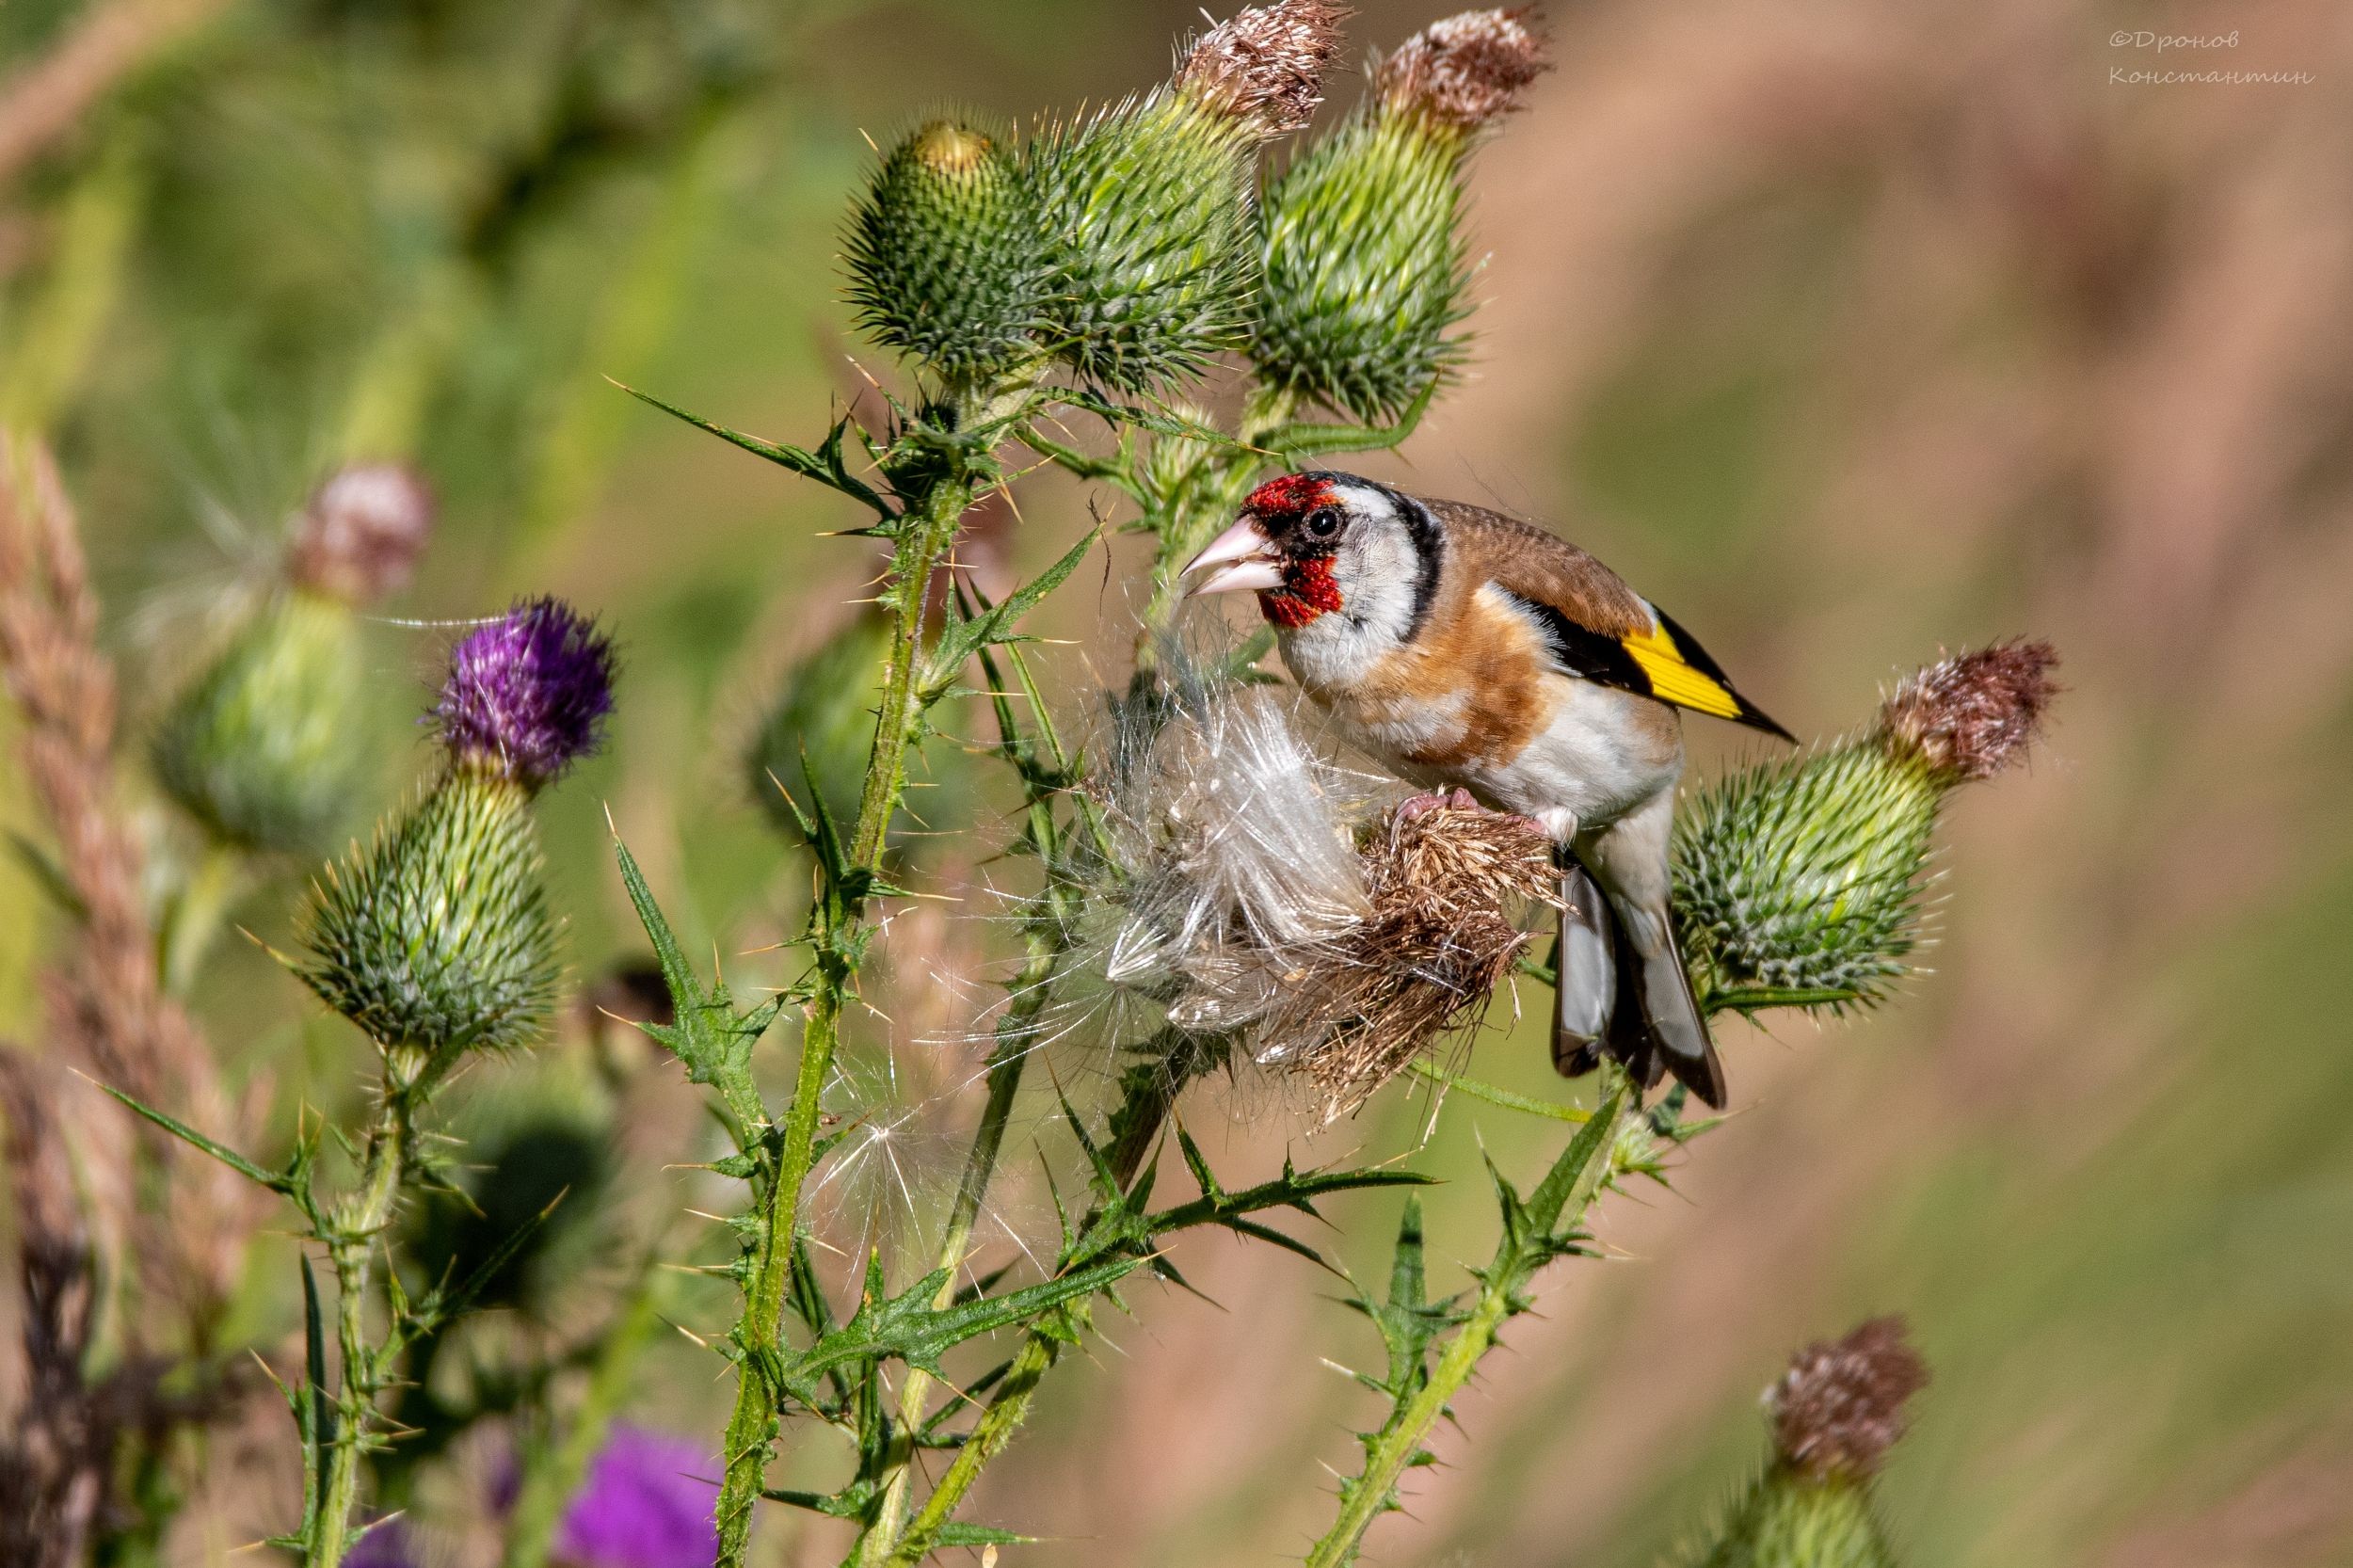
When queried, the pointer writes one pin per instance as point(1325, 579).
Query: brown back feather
point(1538, 566)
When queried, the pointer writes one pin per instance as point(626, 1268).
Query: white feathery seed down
point(1233, 844)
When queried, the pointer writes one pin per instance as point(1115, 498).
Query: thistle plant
point(1146, 206)
point(1802, 881)
point(1834, 1415)
point(257, 745)
point(1365, 271)
point(1087, 274)
point(436, 940)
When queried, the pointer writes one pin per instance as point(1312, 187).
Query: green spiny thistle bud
point(436, 937)
point(1363, 262)
point(825, 713)
point(1808, 874)
point(1835, 1413)
point(1145, 207)
point(259, 747)
point(944, 253)
point(1145, 210)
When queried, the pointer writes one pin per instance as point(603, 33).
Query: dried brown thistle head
point(1264, 64)
point(1447, 882)
point(1970, 716)
point(1840, 1406)
point(1467, 71)
point(360, 535)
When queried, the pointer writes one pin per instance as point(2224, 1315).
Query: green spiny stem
point(1007, 1408)
point(752, 1425)
point(1049, 924)
point(1230, 474)
point(351, 1236)
point(924, 536)
point(924, 539)
point(1145, 1105)
point(1150, 1097)
point(875, 1544)
point(1567, 1190)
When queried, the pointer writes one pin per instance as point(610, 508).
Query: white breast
point(1599, 758)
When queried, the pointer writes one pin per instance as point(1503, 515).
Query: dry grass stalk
point(1448, 883)
point(45, 100)
point(108, 1017)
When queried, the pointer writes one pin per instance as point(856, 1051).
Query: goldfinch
point(1462, 648)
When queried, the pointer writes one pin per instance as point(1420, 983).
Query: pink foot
point(1443, 800)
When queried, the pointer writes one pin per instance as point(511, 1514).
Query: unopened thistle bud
point(1147, 207)
point(360, 537)
point(823, 713)
point(261, 746)
point(1365, 269)
point(436, 937)
point(946, 260)
point(1835, 1413)
point(1807, 875)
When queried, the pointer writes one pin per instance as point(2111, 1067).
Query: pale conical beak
point(1241, 558)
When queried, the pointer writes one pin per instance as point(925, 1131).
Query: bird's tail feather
point(1586, 965)
point(1654, 1025)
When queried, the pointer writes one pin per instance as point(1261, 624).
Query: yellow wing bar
point(1675, 679)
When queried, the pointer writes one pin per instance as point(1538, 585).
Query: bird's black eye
point(1324, 523)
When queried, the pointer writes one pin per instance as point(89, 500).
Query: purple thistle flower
point(388, 1544)
point(646, 1503)
point(528, 693)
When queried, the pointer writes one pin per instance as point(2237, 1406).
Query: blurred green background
point(1849, 329)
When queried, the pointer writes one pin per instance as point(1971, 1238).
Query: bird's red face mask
point(1282, 549)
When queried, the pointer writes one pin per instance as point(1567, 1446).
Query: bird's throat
point(1308, 590)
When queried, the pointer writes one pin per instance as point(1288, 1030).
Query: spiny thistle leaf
point(708, 1036)
point(825, 465)
point(907, 1327)
point(962, 636)
point(1409, 1323)
point(277, 1181)
point(945, 255)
